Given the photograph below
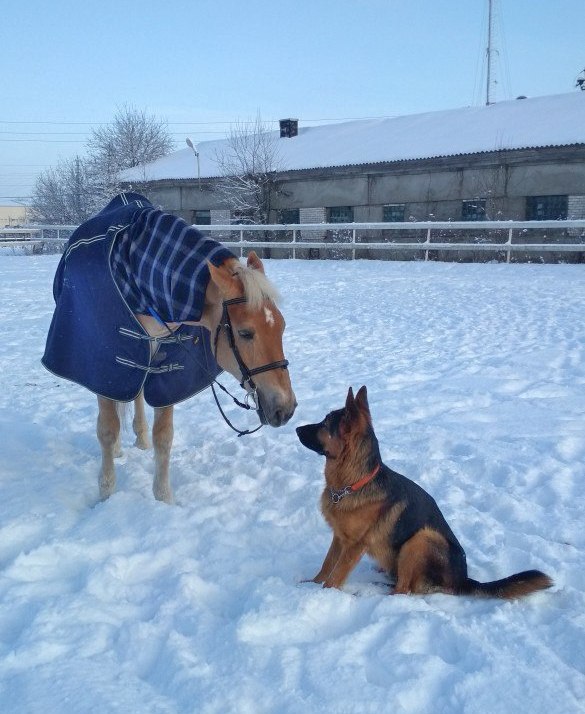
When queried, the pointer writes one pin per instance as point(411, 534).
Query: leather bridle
point(246, 382)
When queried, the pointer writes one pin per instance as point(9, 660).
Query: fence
point(436, 240)
point(35, 236)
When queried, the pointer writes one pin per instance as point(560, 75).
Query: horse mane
point(257, 287)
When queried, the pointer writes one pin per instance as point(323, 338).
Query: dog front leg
point(330, 560)
point(349, 557)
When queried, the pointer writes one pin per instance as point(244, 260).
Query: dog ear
point(361, 399)
point(349, 401)
point(361, 406)
point(350, 414)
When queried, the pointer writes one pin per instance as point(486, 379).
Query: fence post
point(428, 242)
point(509, 243)
point(294, 240)
point(353, 242)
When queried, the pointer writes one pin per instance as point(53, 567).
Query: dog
point(375, 510)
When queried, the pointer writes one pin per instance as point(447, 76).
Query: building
point(522, 159)
point(13, 216)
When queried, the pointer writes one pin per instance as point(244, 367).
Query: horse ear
point(224, 279)
point(254, 262)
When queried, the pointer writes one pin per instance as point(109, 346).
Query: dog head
point(341, 428)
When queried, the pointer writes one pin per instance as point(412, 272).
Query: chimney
point(289, 128)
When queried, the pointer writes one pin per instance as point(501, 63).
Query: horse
point(134, 328)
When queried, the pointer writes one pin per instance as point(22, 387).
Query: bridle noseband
point(246, 382)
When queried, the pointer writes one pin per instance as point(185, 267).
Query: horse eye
point(246, 334)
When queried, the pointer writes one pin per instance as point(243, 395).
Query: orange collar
point(336, 496)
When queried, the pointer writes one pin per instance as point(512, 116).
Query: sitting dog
point(375, 510)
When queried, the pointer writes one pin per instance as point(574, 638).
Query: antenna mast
point(489, 53)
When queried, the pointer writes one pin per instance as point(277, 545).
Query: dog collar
point(336, 496)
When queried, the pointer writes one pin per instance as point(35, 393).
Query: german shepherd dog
point(372, 509)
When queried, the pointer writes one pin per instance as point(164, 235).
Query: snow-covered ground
point(476, 380)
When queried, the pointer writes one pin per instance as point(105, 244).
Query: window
point(394, 213)
point(289, 215)
point(202, 218)
point(546, 208)
point(340, 214)
point(473, 210)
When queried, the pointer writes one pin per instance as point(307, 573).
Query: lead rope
point(214, 381)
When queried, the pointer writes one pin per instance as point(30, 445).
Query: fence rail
point(503, 237)
point(35, 235)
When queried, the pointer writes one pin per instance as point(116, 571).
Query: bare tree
point(65, 194)
point(249, 166)
point(75, 189)
point(132, 139)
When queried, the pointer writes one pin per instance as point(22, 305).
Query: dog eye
point(246, 334)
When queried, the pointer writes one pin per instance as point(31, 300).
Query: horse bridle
point(246, 382)
point(226, 323)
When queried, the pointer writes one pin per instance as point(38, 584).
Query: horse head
point(248, 337)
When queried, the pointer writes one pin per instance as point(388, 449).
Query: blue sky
point(202, 64)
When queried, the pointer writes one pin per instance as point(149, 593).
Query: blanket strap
point(164, 369)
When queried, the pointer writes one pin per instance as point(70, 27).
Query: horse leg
point(108, 433)
point(139, 423)
point(162, 439)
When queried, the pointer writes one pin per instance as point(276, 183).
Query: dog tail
point(518, 585)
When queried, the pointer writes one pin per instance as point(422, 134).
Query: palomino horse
point(103, 337)
point(257, 326)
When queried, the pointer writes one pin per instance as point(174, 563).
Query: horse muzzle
point(274, 409)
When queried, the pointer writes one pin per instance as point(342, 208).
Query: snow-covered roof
point(557, 120)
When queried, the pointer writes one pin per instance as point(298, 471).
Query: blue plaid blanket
point(159, 262)
point(127, 259)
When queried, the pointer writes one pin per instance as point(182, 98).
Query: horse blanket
point(133, 259)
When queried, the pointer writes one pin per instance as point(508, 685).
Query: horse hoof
point(105, 492)
point(164, 495)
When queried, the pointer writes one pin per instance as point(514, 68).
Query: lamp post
point(190, 145)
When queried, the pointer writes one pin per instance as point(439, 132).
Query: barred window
point(202, 218)
point(340, 214)
point(394, 213)
point(546, 208)
point(289, 216)
point(473, 210)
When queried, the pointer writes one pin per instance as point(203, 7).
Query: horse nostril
point(280, 417)
point(278, 414)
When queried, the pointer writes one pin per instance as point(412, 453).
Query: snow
point(557, 120)
point(476, 380)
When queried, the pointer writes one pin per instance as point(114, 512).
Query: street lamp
point(190, 145)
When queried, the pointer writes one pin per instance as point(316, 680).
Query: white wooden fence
point(336, 239)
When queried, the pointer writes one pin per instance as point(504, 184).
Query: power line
point(47, 141)
point(198, 123)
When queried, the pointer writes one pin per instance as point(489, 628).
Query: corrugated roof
point(518, 124)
